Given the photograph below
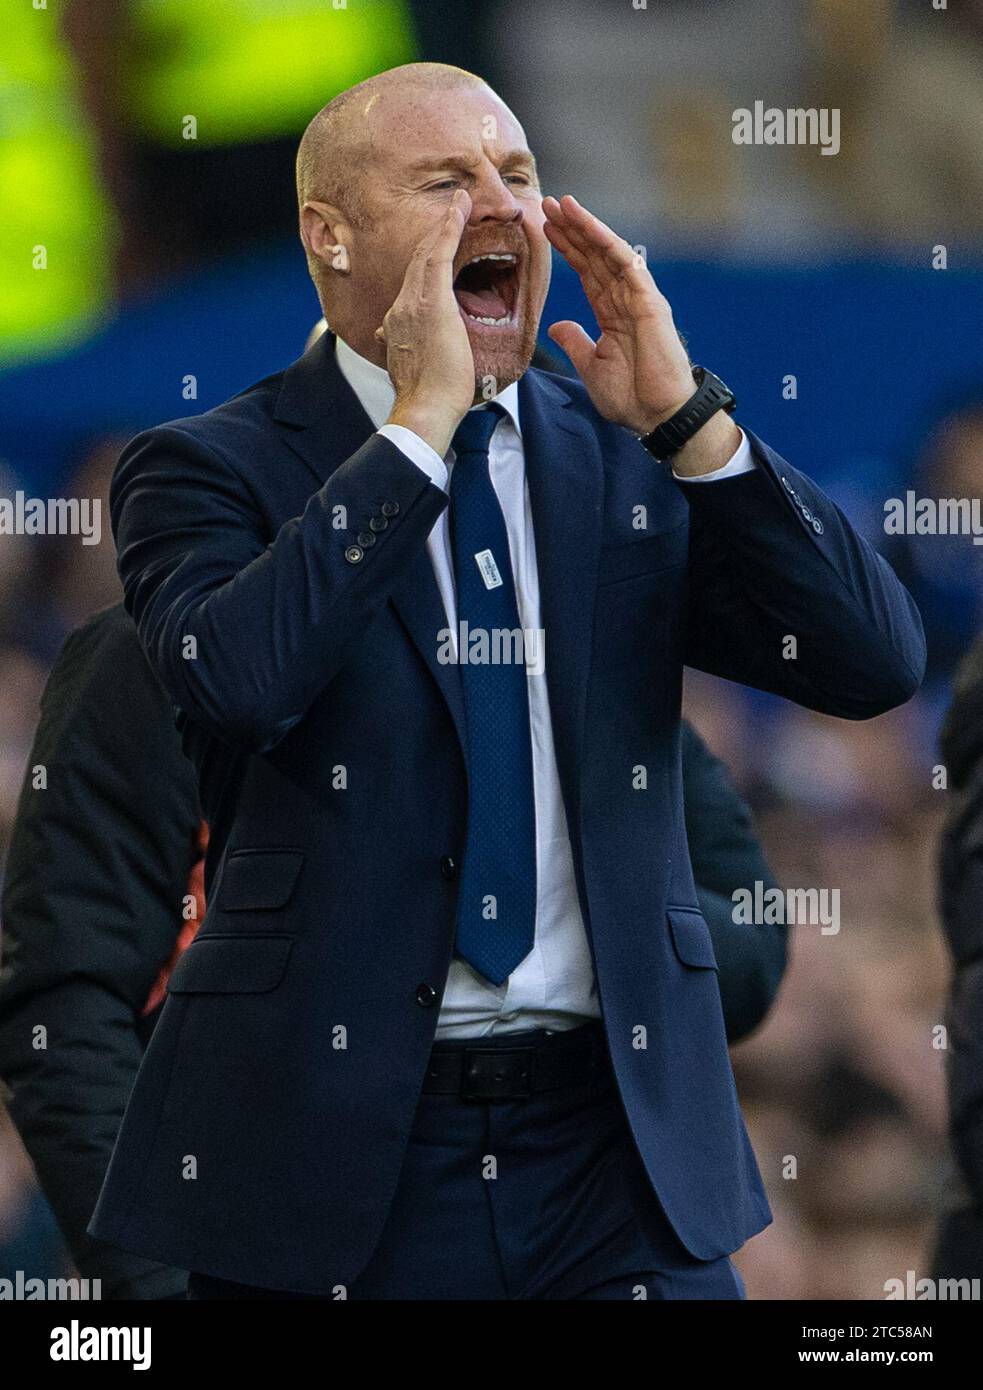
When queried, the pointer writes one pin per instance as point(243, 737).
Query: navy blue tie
point(497, 905)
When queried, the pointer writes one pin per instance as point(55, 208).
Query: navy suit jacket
point(265, 1132)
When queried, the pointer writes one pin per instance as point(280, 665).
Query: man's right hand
point(428, 350)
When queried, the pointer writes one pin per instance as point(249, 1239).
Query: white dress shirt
point(554, 987)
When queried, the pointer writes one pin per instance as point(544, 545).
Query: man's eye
point(522, 178)
point(444, 183)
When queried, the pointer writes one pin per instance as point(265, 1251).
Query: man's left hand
point(637, 373)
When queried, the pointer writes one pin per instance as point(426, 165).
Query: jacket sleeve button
point(390, 509)
point(353, 554)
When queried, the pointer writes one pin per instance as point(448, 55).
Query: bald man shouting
point(451, 1028)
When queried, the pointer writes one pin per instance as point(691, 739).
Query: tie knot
point(473, 434)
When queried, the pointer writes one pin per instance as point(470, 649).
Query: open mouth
point(487, 288)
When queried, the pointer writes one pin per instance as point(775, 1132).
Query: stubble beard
point(498, 364)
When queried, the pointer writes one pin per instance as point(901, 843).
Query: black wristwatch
point(710, 396)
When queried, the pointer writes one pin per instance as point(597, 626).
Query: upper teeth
point(492, 256)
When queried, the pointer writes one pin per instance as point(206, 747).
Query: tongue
point(484, 304)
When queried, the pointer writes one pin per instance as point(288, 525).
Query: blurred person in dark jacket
point(99, 864)
point(103, 891)
point(959, 1254)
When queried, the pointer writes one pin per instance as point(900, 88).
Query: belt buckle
point(497, 1073)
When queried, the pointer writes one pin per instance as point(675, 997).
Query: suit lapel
point(420, 607)
point(324, 423)
point(566, 489)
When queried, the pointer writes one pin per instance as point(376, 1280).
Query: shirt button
point(390, 509)
point(426, 996)
point(807, 514)
point(378, 523)
point(817, 526)
point(448, 868)
point(365, 538)
point(353, 554)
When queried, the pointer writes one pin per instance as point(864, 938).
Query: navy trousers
point(539, 1198)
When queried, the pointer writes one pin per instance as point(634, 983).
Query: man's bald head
point(337, 143)
point(376, 170)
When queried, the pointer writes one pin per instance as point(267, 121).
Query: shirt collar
point(376, 392)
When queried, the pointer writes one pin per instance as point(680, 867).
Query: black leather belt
point(517, 1065)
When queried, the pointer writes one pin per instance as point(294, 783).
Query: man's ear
point(326, 235)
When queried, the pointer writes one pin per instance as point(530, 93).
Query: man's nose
point(493, 200)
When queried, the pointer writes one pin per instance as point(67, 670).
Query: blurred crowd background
point(173, 278)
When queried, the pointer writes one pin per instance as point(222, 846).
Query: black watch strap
point(711, 395)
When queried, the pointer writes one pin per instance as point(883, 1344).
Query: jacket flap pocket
point(254, 879)
point(691, 937)
point(231, 965)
